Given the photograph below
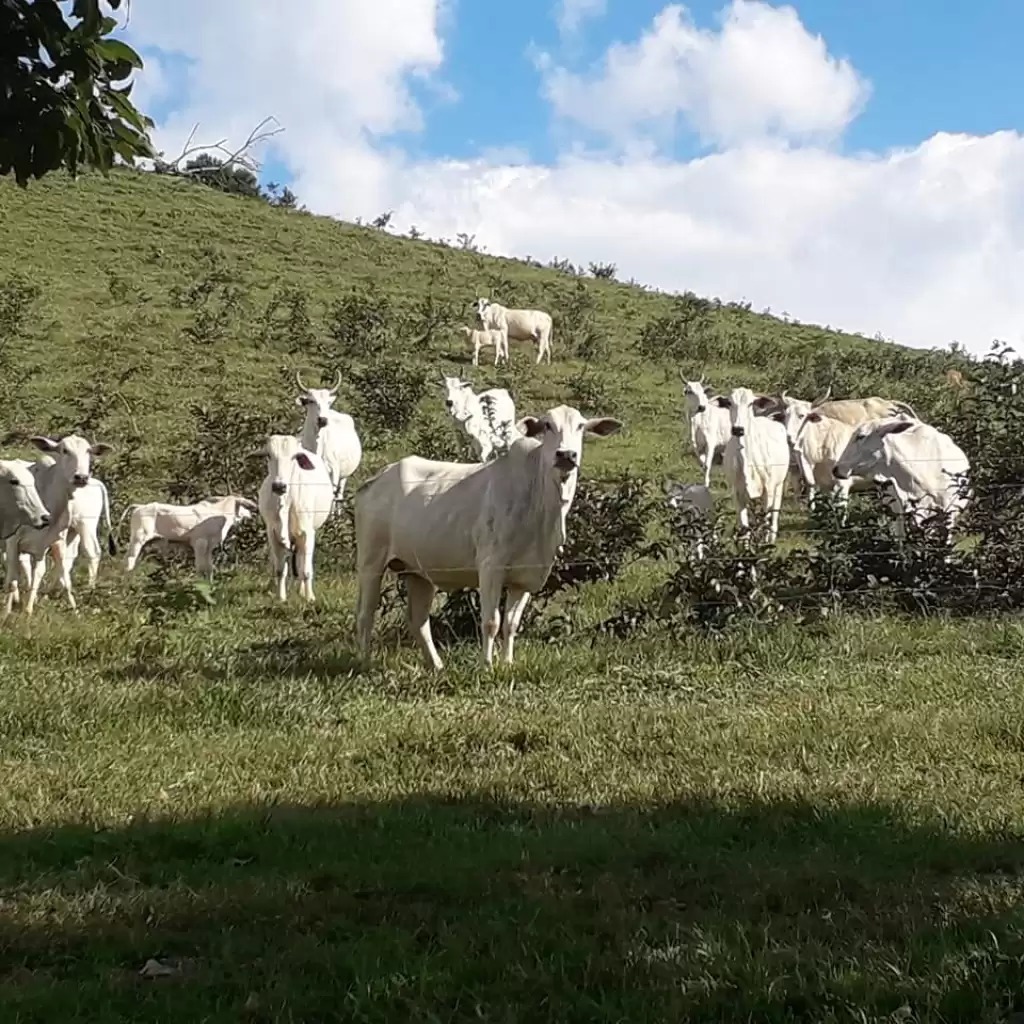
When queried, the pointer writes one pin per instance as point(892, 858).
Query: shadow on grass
point(435, 909)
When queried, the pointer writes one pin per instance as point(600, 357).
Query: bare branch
point(239, 156)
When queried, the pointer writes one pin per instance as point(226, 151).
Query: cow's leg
point(705, 462)
point(476, 353)
point(370, 575)
point(63, 565)
point(13, 566)
point(421, 596)
point(202, 554)
point(135, 545)
point(843, 494)
point(491, 583)
point(306, 543)
point(774, 505)
point(91, 549)
point(515, 604)
point(279, 557)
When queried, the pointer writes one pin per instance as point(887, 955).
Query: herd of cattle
point(496, 524)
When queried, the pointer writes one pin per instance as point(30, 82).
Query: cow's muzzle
point(321, 421)
point(277, 487)
point(839, 474)
point(566, 460)
point(42, 522)
point(702, 408)
point(739, 431)
point(80, 479)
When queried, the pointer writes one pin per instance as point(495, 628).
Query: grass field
point(816, 821)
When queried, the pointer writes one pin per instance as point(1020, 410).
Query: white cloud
point(925, 244)
point(762, 74)
point(335, 76)
point(572, 14)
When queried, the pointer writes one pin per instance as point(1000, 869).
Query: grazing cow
point(295, 500)
point(924, 469)
point(203, 526)
point(487, 418)
point(329, 433)
point(56, 481)
point(757, 457)
point(694, 501)
point(20, 502)
point(484, 339)
point(518, 324)
point(450, 525)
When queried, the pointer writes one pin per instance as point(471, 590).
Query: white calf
point(295, 500)
point(694, 501)
point(710, 426)
point(484, 339)
point(203, 526)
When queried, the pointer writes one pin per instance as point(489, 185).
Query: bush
point(685, 332)
point(388, 390)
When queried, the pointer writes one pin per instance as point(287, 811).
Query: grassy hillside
point(792, 801)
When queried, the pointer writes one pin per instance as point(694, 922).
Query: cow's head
point(317, 401)
point(20, 503)
point(560, 431)
point(743, 406)
point(73, 454)
point(481, 307)
point(697, 394)
point(459, 398)
point(794, 414)
point(283, 452)
point(865, 454)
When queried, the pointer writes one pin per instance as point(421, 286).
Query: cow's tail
point(111, 539)
point(295, 562)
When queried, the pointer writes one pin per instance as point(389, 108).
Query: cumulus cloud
point(337, 76)
point(924, 245)
point(761, 74)
point(572, 14)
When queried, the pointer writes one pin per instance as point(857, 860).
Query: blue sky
point(928, 73)
point(797, 155)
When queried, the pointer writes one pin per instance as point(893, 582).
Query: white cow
point(817, 441)
point(694, 501)
point(757, 458)
point(488, 419)
point(710, 425)
point(484, 339)
point(203, 526)
point(921, 466)
point(518, 324)
point(87, 506)
point(20, 502)
point(295, 500)
point(329, 433)
point(450, 525)
point(56, 482)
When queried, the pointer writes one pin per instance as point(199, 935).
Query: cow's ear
point(602, 426)
point(530, 426)
point(813, 417)
point(304, 461)
point(301, 400)
point(763, 402)
point(723, 402)
point(898, 428)
point(44, 444)
point(100, 448)
point(779, 417)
